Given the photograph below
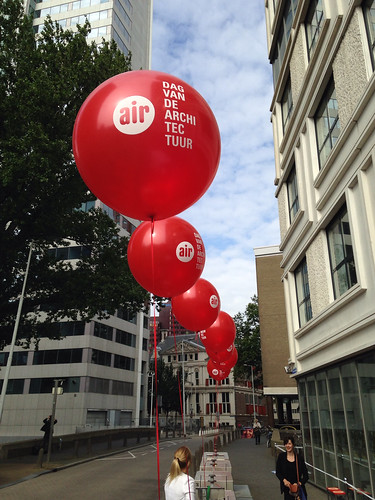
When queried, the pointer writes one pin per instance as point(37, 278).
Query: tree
point(167, 387)
point(44, 80)
point(247, 341)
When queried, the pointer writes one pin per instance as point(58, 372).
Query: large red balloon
point(220, 335)
point(198, 307)
point(228, 363)
point(146, 144)
point(218, 357)
point(215, 372)
point(166, 257)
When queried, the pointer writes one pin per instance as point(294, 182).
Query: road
point(132, 475)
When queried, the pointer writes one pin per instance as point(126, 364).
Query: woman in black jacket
point(286, 469)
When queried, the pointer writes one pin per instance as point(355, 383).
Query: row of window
point(214, 406)
point(342, 263)
point(187, 357)
point(67, 356)
point(104, 358)
point(72, 328)
point(326, 118)
point(70, 384)
point(337, 413)
point(313, 25)
point(65, 7)
point(70, 253)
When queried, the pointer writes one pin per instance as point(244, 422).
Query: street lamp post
point(57, 386)
point(252, 385)
point(14, 337)
point(151, 374)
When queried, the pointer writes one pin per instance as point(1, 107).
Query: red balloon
point(146, 144)
point(215, 372)
point(198, 307)
point(169, 260)
point(228, 363)
point(218, 357)
point(220, 335)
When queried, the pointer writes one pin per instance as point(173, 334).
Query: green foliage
point(44, 80)
point(167, 387)
point(247, 341)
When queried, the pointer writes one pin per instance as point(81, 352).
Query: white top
point(180, 488)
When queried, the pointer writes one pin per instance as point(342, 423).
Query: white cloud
point(220, 49)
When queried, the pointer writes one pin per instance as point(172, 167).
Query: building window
point(15, 386)
point(121, 388)
point(103, 331)
point(293, 202)
point(337, 421)
point(87, 205)
point(124, 363)
point(45, 385)
point(127, 315)
point(19, 358)
point(225, 400)
point(303, 293)
point(71, 328)
point(313, 22)
point(70, 253)
point(98, 385)
point(57, 356)
point(213, 407)
point(341, 253)
point(286, 104)
point(101, 357)
point(283, 37)
point(327, 123)
point(125, 338)
point(369, 13)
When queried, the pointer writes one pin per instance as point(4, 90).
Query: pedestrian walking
point(47, 429)
point(256, 429)
point(269, 436)
point(179, 485)
point(292, 472)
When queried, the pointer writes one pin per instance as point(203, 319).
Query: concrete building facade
point(322, 113)
point(102, 365)
point(279, 388)
point(127, 22)
point(208, 403)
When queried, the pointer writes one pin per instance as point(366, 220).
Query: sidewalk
point(255, 466)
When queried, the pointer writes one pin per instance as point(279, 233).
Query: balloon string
point(156, 359)
point(217, 415)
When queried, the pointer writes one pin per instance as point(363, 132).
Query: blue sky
point(220, 49)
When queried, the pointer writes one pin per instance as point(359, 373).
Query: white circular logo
point(133, 115)
point(214, 301)
point(185, 251)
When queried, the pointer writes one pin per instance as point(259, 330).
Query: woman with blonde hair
point(179, 485)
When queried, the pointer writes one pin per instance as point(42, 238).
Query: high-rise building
point(322, 55)
point(127, 22)
point(101, 365)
